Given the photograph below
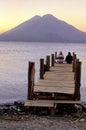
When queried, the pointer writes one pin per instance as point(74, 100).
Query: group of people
point(60, 58)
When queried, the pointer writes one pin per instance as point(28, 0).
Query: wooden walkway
point(60, 79)
point(59, 85)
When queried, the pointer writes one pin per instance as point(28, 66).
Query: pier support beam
point(48, 62)
point(77, 81)
point(74, 61)
point(41, 68)
point(31, 73)
point(55, 55)
point(52, 59)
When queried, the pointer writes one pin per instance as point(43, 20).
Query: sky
point(15, 12)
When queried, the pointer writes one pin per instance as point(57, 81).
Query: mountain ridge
point(44, 29)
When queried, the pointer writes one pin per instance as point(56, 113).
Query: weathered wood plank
point(49, 103)
point(54, 89)
point(56, 81)
point(59, 78)
point(39, 103)
point(59, 73)
point(56, 84)
point(63, 67)
point(64, 64)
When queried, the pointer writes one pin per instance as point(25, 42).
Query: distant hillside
point(44, 29)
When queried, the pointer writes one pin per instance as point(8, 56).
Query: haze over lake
point(14, 57)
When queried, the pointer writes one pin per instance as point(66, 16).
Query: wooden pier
point(58, 83)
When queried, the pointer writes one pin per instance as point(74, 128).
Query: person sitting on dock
point(69, 58)
point(60, 58)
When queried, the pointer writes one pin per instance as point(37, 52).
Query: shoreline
point(34, 122)
point(17, 109)
point(15, 115)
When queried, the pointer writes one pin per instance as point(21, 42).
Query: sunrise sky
point(14, 12)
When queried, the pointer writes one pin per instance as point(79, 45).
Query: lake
point(14, 58)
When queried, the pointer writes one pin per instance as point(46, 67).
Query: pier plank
point(56, 85)
point(49, 103)
point(39, 103)
point(58, 89)
point(55, 81)
point(60, 79)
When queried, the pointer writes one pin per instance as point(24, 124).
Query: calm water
point(14, 58)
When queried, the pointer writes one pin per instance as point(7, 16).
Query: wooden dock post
point(74, 61)
point(31, 73)
point(55, 55)
point(48, 62)
point(52, 59)
point(77, 80)
point(41, 68)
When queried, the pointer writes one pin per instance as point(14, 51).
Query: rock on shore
point(13, 117)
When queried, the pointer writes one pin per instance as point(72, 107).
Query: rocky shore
point(13, 117)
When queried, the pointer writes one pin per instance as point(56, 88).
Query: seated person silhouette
point(60, 58)
point(69, 58)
